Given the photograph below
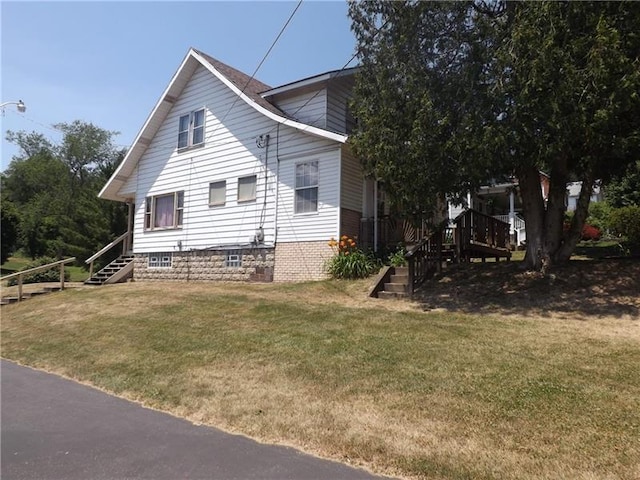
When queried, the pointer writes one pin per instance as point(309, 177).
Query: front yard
point(421, 394)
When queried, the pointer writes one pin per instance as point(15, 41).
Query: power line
point(264, 58)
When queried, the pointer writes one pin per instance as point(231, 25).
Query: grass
point(17, 262)
point(440, 395)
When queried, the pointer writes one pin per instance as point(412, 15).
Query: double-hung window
point(191, 129)
point(217, 193)
point(247, 188)
point(306, 200)
point(164, 211)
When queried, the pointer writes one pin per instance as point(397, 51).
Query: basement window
point(233, 259)
point(160, 260)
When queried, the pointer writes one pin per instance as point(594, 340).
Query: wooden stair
point(398, 284)
point(9, 299)
point(117, 271)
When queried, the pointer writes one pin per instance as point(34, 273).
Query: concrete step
point(395, 287)
point(34, 294)
point(400, 279)
point(401, 271)
point(392, 295)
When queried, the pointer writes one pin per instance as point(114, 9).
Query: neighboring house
point(573, 192)
point(232, 179)
point(501, 200)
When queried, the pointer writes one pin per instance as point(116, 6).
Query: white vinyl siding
point(323, 224)
point(339, 118)
point(351, 181)
point(309, 107)
point(229, 153)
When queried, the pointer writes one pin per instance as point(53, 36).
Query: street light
point(19, 104)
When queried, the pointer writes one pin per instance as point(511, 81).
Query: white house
point(232, 179)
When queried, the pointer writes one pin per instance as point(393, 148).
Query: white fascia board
point(319, 132)
point(323, 77)
point(131, 158)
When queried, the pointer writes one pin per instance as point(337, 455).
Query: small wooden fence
point(480, 236)
point(20, 275)
point(426, 257)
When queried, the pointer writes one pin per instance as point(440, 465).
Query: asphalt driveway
point(54, 428)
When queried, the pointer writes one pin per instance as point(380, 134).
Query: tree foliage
point(53, 190)
point(624, 190)
point(452, 94)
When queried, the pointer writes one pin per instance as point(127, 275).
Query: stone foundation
point(208, 265)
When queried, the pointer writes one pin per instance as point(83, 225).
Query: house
point(573, 193)
point(230, 179)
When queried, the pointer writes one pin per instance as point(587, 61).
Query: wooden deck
point(474, 236)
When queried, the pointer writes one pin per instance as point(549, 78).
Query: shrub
point(599, 214)
point(625, 222)
point(349, 262)
point(51, 275)
point(589, 232)
point(397, 258)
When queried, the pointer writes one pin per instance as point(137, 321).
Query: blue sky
point(108, 62)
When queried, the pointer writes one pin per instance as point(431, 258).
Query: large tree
point(452, 94)
point(53, 188)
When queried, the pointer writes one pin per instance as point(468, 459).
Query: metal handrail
point(48, 266)
point(105, 249)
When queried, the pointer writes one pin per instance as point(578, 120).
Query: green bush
point(51, 275)
point(397, 258)
point(349, 262)
point(625, 222)
point(599, 216)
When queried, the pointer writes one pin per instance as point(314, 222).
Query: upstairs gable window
point(191, 129)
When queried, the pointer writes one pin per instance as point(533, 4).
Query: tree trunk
point(574, 234)
point(533, 206)
point(554, 213)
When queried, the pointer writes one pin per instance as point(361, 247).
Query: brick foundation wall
point(300, 261)
point(208, 265)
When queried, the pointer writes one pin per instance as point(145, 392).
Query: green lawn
point(18, 262)
point(423, 395)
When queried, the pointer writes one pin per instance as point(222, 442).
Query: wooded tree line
point(453, 94)
point(49, 193)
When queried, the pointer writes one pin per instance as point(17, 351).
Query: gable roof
point(246, 88)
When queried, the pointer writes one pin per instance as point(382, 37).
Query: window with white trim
point(247, 188)
point(217, 193)
point(233, 258)
point(306, 200)
point(164, 211)
point(191, 129)
point(160, 260)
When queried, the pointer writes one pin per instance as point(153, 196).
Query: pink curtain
point(164, 211)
